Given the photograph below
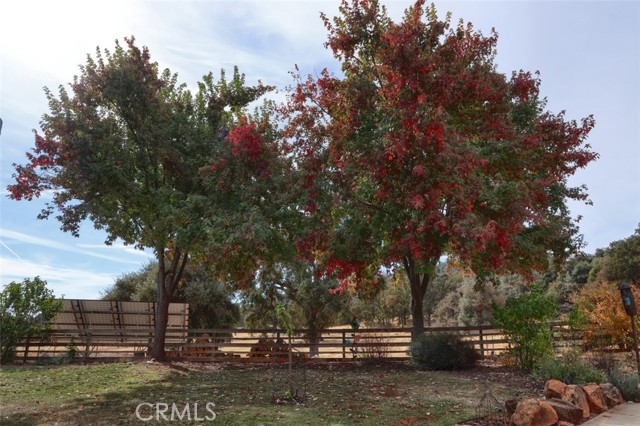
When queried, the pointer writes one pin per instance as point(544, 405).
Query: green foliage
point(396, 298)
point(284, 319)
point(210, 301)
point(622, 261)
point(570, 368)
point(443, 351)
point(294, 284)
point(135, 152)
point(25, 311)
point(138, 286)
point(526, 322)
point(72, 350)
point(627, 382)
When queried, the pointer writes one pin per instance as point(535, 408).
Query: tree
point(138, 286)
point(25, 311)
point(296, 287)
point(149, 163)
point(422, 148)
point(210, 301)
point(622, 260)
point(396, 300)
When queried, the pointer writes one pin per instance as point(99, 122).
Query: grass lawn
point(108, 394)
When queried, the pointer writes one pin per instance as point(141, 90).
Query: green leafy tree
point(396, 299)
point(211, 303)
point(622, 260)
point(133, 151)
point(25, 311)
point(526, 322)
point(138, 286)
point(307, 297)
point(422, 148)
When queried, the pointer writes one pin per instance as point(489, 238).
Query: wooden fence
point(256, 345)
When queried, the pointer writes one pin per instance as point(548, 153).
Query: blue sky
point(588, 54)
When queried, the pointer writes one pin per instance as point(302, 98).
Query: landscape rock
point(554, 388)
point(576, 396)
point(531, 412)
point(612, 395)
point(595, 398)
point(567, 412)
point(563, 423)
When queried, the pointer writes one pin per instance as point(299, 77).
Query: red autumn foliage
point(429, 150)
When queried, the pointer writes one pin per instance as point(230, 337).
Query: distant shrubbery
point(570, 369)
point(443, 351)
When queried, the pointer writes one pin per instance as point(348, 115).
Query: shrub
point(627, 382)
point(443, 351)
point(526, 322)
point(374, 347)
point(599, 313)
point(570, 369)
point(25, 310)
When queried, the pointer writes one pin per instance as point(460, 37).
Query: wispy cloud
point(73, 283)
point(6, 234)
point(11, 251)
point(118, 247)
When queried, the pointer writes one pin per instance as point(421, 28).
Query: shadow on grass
point(336, 394)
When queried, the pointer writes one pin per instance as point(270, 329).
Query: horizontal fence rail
point(258, 345)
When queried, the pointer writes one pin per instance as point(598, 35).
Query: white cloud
point(6, 234)
point(72, 283)
point(118, 247)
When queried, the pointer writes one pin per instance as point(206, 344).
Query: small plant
point(72, 350)
point(443, 351)
point(374, 347)
point(569, 368)
point(526, 322)
point(627, 382)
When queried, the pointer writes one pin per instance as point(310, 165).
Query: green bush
point(25, 311)
point(627, 382)
point(526, 322)
point(570, 369)
point(443, 351)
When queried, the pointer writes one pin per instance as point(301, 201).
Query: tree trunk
point(418, 283)
point(417, 315)
point(314, 340)
point(161, 319)
point(167, 283)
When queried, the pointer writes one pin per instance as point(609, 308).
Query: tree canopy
point(426, 150)
point(134, 152)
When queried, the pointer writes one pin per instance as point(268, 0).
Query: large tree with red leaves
point(421, 149)
point(137, 154)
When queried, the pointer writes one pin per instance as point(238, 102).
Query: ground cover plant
point(389, 393)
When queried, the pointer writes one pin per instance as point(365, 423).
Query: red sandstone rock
point(531, 412)
point(554, 388)
point(595, 398)
point(576, 396)
point(566, 411)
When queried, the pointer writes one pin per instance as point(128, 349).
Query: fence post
point(344, 346)
point(481, 343)
point(213, 348)
point(26, 349)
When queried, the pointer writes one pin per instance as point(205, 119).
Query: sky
point(588, 55)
